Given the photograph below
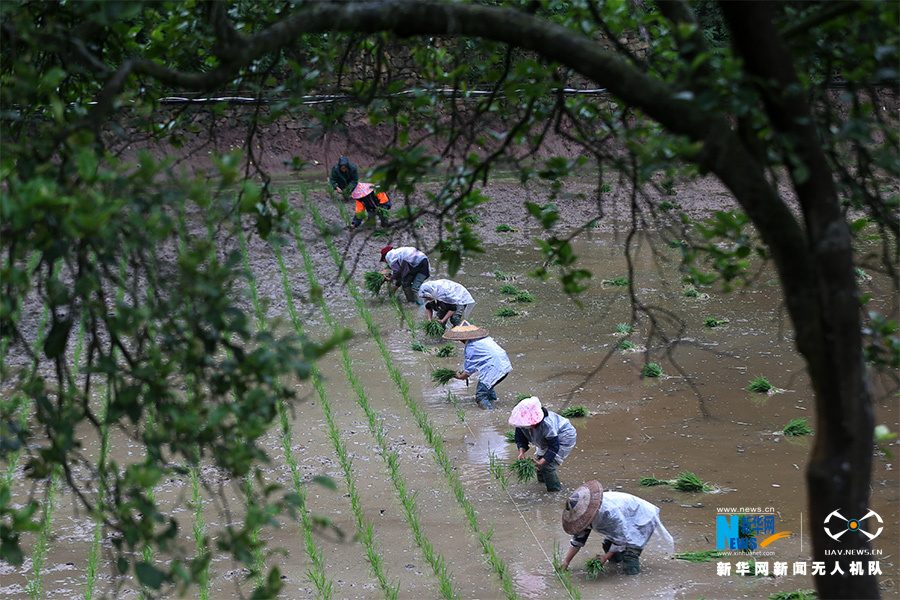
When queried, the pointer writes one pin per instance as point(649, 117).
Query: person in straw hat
point(483, 356)
point(627, 521)
point(552, 435)
point(449, 300)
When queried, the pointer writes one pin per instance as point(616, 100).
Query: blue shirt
point(488, 359)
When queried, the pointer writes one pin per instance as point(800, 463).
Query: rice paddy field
point(423, 504)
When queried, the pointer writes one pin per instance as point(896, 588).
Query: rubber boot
point(540, 475)
point(551, 479)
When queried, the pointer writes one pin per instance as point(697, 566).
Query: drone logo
point(844, 525)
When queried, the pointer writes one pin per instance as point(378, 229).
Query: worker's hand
point(563, 566)
point(339, 190)
point(521, 454)
point(387, 276)
point(539, 461)
point(461, 375)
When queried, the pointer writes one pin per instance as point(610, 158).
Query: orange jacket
point(382, 199)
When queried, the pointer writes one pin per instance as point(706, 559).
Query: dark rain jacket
point(346, 181)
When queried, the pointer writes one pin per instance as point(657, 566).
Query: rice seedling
point(501, 275)
point(564, 576)
point(470, 219)
point(652, 481)
point(432, 329)
point(506, 312)
point(651, 370)
point(524, 469)
point(616, 281)
point(667, 185)
point(691, 292)
point(510, 436)
point(593, 567)
point(380, 234)
point(797, 427)
point(798, 595)
point(688, 482)
point(699, 556)
point(442, 376)
point(444, 246)
point(861, 275)
point(523, 297)
point(626, 345)
point(445, 351)
point(624, 329)
point(674, 243)
point(418, 347)
point(521, 397)
point(373, 281)
point(575, 412)
point(713, 322)
point(508, 289)
point(503, 227)
point(605, 188)
point(497, 470)
point(760, 385)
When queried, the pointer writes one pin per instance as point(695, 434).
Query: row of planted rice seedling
point(407, 498)
point(431, 435)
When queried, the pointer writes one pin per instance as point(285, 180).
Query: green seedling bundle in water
point(445, 351)
point(624, 329)
point(688, 482)
point(442, 376)
point(593, 567)
point(523, 297)
point(797, 595)
point(653, 481)
point(651, 370)
point(626, 345)
point(700, 556)
point(432, 329)
point(503, 227)
point(712, 323)
point(797, 427)
point(524, 469)
point(373, 281)
point(418, 347)
point(761, 385)
point(616, 281)
point(575, 412)
point(500, 275)
point(508, 289)
point(510, 436)
point(507, 312)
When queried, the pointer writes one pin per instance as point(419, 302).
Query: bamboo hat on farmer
point(582, 506)
point(384, 251)
point(527, 413)
point(465, 331)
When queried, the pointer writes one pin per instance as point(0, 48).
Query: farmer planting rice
point(446, 299)
point(627, 521)
point(344, 177)
point(368, 202)
point(409, 269)
point(552, 435)
point(483, 356)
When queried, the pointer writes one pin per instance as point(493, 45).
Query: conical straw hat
point(465, 331)
point(581, 507)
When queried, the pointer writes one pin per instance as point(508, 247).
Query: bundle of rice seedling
point(760, 385)
point(507, 312)
point(417, 347)
point(442, 376)
point(797, 427)
point(445, 351)
point(508, 289)
point(380, 233)
point(501, 275)
point(651, 481)
point(798, 595)
point(574, 412)
point(624, 328)
point(617, 281)
point(691, 292)
point(503, 227)
point(651, 370)
point(432, 328)
point(525, 470)
point(374, 280)
point(700, 556)
point(471, 219)
point(688, 482)
point(711, 322)
point(521, 397)
point(510, 436)
point(626, 345)
point(523, 297)
point(593, 567)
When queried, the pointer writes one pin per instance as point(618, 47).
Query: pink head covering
point(527, 413)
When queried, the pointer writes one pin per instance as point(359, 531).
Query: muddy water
point(696, 418)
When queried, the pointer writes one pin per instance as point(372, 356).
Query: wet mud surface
point(697, 417)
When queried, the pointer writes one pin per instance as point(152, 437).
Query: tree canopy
point(780, 101)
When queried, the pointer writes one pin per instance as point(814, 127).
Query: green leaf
point(55, 343)
point(148, 575)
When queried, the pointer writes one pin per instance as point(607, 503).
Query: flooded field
point(416, 464)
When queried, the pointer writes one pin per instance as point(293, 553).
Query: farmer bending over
point(447, 299)
point(367, 201)
point(483, 356)
point(552, 435)
point(409, 268)
point(344, 177)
